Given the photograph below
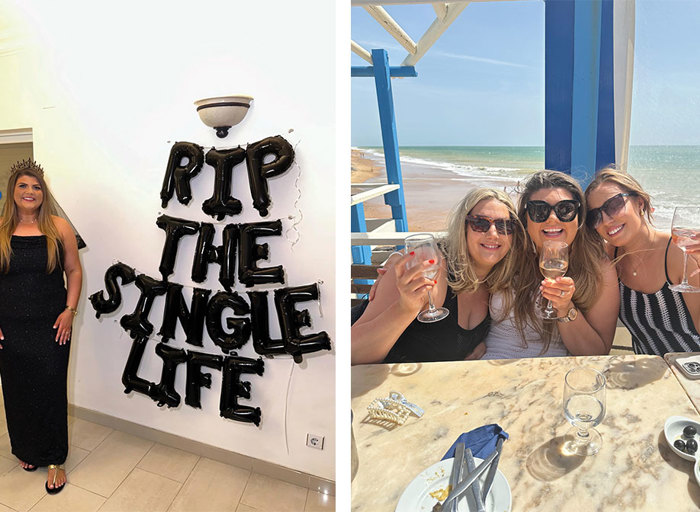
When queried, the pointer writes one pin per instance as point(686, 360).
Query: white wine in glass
point(685, 232)
point(554, 262)
point(584, 408)
point(425, 248)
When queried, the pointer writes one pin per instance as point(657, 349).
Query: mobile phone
point(690, 366)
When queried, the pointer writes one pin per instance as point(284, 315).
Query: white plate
point(417, 496)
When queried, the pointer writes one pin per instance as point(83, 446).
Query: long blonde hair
point(585, 258)
point(10, 218)
point(461, 273)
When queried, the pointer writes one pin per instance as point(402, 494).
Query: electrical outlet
point(314, 441)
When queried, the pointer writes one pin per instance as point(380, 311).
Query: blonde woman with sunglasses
point(659, 319)
point(552, 207)
point(477, 260)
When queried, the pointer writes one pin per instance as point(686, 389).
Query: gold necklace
point(641, 259)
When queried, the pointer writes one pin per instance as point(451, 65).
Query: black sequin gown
point(33, 367)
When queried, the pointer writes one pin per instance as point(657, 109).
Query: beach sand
point(430, 192)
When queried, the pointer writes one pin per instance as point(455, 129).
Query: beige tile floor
point(111, 471)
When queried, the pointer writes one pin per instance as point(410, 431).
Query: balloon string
point(286, 407)
point(298, 215)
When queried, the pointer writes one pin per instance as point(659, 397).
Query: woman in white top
point(552, 207)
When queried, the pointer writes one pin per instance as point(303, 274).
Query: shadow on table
point(374, 376)
point(550, 461)
point(682, 465)
point(635, 374)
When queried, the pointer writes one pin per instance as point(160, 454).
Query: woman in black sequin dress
point(36, 316)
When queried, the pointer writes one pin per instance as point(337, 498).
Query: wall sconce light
point(223, 112)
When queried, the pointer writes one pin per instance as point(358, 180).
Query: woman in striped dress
point(660, 320)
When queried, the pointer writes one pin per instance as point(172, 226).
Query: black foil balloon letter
point(259, 318)
point(177, 175)
point(174, 230)
point(136, 323)
point(129, 378)
point(249, 253)
point(114, 296)
point(224, 255)
point(232, 388)
point(241, 326)
point(164, 392)
point(227, 253)
point(292, 320)
point(192, 320)
point(196, 379)
point(259, 172)
point(221, 204)
point(205, 253)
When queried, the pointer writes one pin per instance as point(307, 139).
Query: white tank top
point(505, 342)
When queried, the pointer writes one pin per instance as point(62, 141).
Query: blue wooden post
point(387, 120)
point(584, 115)
point(579, 106)
point(360, 253)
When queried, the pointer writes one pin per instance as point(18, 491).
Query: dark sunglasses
point(481, 224)
point(611, 207)
point(566, 210)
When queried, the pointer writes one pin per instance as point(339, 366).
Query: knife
point(476, 488)
point(465, 484)
point(492, 471)
point(456, 474)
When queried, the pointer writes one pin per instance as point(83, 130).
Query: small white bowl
point(673, 430)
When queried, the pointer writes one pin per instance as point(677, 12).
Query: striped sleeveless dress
point(658, 322)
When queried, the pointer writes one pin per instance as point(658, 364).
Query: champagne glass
point(425, 248)
point(685, 231)
point(554, 262)
point(584, 408)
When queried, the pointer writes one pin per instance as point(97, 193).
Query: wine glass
point(425, 248)
point(584, 408)
point(685, 231)
point(554, 262)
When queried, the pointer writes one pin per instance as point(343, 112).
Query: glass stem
point(550, 309)
point(582, 435)
point(685, 266)
point(431, 307)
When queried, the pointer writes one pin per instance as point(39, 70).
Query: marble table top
point(634, 470)
point(691, 386)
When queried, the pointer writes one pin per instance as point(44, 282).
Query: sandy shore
point(430, 192)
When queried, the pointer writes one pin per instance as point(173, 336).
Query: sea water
point(670, 174)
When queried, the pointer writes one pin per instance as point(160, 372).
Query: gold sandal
point(55, 489)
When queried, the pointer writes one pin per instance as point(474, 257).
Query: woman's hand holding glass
point(412, 283)
point(428, 259)
point(559, 292)
point(554, 262)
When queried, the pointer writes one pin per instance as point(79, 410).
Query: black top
point(444, 340)
point(658, 322)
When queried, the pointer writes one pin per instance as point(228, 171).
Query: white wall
point(107, 88)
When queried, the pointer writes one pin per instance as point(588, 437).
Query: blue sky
point(482, 83)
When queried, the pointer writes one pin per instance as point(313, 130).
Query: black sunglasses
point(481, 224)
point(611, 207)
point(565, 210)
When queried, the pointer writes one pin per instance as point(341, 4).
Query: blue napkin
point(481, 440)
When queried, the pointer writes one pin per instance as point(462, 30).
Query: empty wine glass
point(584, 408)
point(425, 248)
point(685, 231)
point(554, 262)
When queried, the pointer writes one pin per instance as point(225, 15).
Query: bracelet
point(72, 310)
